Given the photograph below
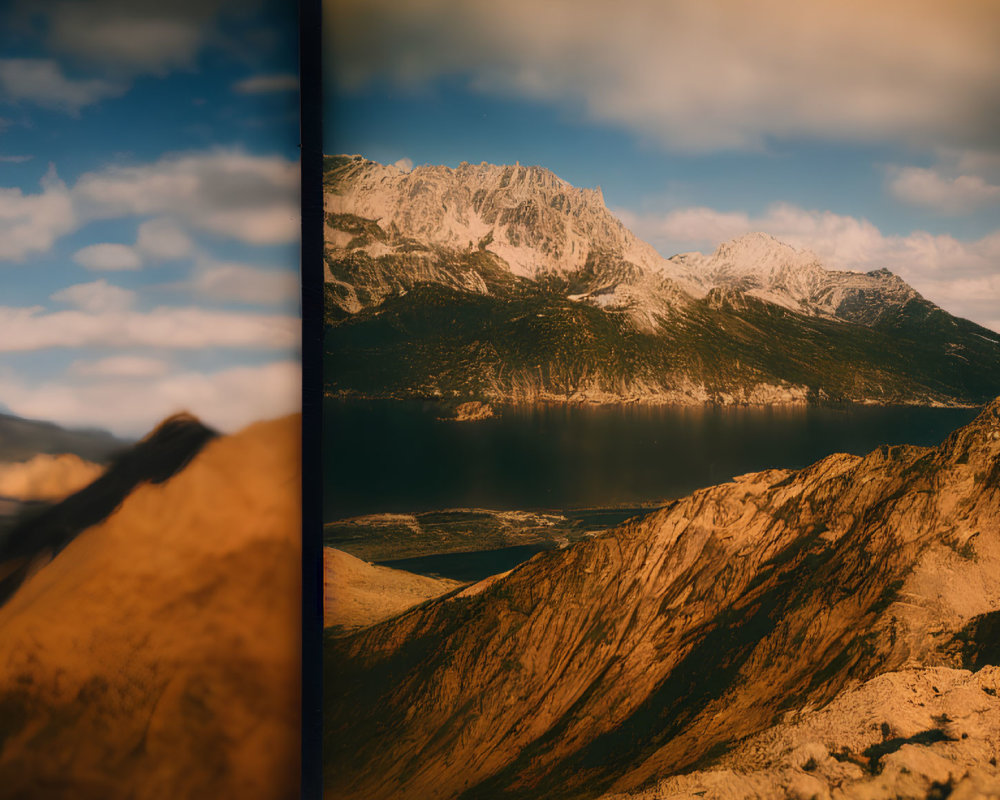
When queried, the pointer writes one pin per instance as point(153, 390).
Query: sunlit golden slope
point(158, 655)
point(46, 477)
point(357, 593)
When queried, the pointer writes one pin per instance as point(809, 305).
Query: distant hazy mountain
point(20, 439)
point(507, 283)
point(658, 648)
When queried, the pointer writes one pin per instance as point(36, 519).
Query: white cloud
point(961, 276)
point(120, 367)
point(41, 81)
point(224, 280)
point(930, 189)
point(111, 257)
point(134, 37)
point(700, 75)
point(98, 297)
point(264, 84)
point(30, 223)
point(131, 405)
point(405, 164)
point(163, 239)
point(227, 192)
point(32, 328)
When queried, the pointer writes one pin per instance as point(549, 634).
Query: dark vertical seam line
point(311, 153)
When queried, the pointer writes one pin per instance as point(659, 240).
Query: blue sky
point(868, 135)
point(149, 222)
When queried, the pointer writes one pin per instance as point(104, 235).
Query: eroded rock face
point(650, 650)
point(507, 284)
point(532, 220)
point(920, 732)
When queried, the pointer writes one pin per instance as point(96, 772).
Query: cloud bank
point(928, 188)
point(41, 82)
point(699, 76)
point(224, 192)
point(32, 328)
point(130, 404)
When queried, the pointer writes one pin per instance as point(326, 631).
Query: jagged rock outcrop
point(916, 733)
point(758, 264)
point(532, 220)
point(653, 649)
point(506, 284)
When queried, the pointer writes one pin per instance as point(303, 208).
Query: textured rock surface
point(654, 649)
point(914, 733)
point(506, 284)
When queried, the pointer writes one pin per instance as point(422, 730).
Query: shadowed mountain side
point(44, 532)
point(158, 654)
point(650, 650)
point(534, 345)
point(356, 593)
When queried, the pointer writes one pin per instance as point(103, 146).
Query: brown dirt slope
point(654, 649)
point(158, 654)
point(357, 593)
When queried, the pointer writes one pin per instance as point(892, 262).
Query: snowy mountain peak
point(758, 253)
point(532, 219)
point(536, 224)
point(758, 264)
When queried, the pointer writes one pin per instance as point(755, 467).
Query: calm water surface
point(390, 456)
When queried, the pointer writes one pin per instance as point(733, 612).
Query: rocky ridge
point(655, 649)
point(535, 225)
point(506, 284)
point(156, 652)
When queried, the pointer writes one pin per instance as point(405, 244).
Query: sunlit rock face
point(656, 648)
point(488, 283)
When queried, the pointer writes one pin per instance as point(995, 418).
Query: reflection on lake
point(390, 456)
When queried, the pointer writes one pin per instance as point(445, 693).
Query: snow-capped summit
point(760, 265)
point(533, 224)
point(532, 219)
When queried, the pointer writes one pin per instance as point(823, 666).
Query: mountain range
point(824, 632)
point(507, 284)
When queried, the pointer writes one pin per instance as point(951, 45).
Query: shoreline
point(550, 401)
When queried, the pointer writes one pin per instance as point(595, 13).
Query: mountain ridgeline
point(664, 645)
point(507, 284)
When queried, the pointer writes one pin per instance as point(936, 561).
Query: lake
point(393, 456)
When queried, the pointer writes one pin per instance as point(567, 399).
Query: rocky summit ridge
point(537, 224)
point(661, 647)
point(506, 283)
